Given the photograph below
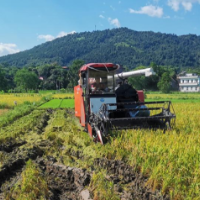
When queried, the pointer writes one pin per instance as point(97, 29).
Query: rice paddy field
point(175, 97)
point(63, 96)
point(59, 103)
point(2, 111)
point(8, 101)
point(11, 100)
point(45, 154)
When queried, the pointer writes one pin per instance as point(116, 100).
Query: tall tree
point(164, 83)
point(72, 74)
point(53, 76)
point(25, 79)
point(3, 81)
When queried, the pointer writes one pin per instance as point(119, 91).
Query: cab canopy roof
point(98, 65)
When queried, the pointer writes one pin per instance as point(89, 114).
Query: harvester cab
point(102, 105)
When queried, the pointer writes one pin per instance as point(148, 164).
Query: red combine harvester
point(104, 101)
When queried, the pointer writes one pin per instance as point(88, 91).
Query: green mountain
point(123, 46)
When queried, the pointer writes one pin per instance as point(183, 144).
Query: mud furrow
point(137, 187)
point(16, 154)
point(13, 165)
point(122, 174)
point(64, 182)
point(40, 127)
point(10, 146)
point(10, 170)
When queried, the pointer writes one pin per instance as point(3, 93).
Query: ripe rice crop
point(63, 96)
point(170, 161)
point(180, 96)
point(10, 100)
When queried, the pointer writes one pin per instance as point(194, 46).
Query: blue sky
point(27, 23)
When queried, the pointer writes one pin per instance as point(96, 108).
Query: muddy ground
point(67, 182)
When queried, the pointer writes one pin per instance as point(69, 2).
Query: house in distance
point(189, 82)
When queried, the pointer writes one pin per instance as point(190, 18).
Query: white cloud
point(114, 22)
point(51, 37)
point(152, 11)
point(62, 34)
point(187, 4)
point(8, 49)
point(174, 5)
point(101, 16)
point(46, 37)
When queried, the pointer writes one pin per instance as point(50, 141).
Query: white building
point(189, 82)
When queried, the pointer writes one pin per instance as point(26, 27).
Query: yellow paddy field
point(10, 100)
point(169, 161)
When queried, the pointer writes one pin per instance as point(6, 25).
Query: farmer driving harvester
point(98, 83)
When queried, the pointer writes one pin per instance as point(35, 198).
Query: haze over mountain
point(122, 45)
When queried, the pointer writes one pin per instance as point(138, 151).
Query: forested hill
point(122, 46)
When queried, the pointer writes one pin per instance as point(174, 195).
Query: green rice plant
point(67, 103)
point(54, 103)
point(21, 126)
point(59, 103)
point(4, 106)
point(18, 112)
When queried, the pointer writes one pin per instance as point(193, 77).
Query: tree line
point(55, 77)
point(45, 77)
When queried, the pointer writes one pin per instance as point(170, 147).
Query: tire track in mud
point(12, 168)
point(137, 187)
point(65, 182)
point(8, 147)
point(120, 173)
point(15, 156)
